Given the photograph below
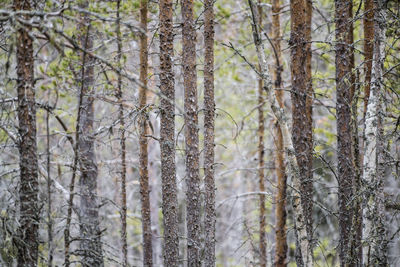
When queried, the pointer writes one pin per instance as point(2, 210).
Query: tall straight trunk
point(209, 114)
point(358, 145)
point(301, 121)
point(122, 144)
point(191, 134)
point(261, 162)
point(28, 239)
point(344, 133)
point(374, 232)
point(167, 134)
point(280, 199)
point(90, 245)
point(291, 161)
point(143, 157)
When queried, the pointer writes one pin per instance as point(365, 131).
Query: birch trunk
point(374, 232)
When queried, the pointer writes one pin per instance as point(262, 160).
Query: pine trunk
point(144, 131)
point(280, 199)
point(28, 239)
point(302, 121)
point(209, 114)
point(191, 134)
point(344, 131)
point(167, 134)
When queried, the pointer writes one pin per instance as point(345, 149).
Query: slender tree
point(90, 245)
point(343, 22)
point(49, 196)
point(280, 199)
point(301, 122)
point(374, 232)
point(261, 162)
point(144, 131)
point(209, 114)
point(167, 140)
point(122, 143)
point(28, 239)
point(191, 134)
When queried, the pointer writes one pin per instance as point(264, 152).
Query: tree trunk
point(167, 141)
point(344, 132)
point(122, 144)
point(209, 114)
point(28, 239)
point(191, 134)
point(291, 161)
point(261, 162)
point(280, 227)
point(144, 131)
point(374, 232)
point(302, 121)
point(90, 245)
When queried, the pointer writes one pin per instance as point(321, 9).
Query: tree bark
point(374, 232)
point(291, 161)
point(167, 141)
point(90, 245)
point(144, 131)
point(191, 134)
point(344, 85)
point(122, 144)
point(209, 114)
point(28, 239)
point(301, 96)
point(280, 226)
point(261, 162)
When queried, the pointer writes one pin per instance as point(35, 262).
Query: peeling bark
point(374, 231)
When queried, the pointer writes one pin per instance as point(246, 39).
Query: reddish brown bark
point(280, 226)
point(191, 134)
point(167, 134)
point(143, 157)
point(209, 114)
point(27, 241)
point(301, 101)
point(344, 132)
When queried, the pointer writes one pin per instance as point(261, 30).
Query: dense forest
point(199, 133)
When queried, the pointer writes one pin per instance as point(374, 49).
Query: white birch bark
point(374, 234)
